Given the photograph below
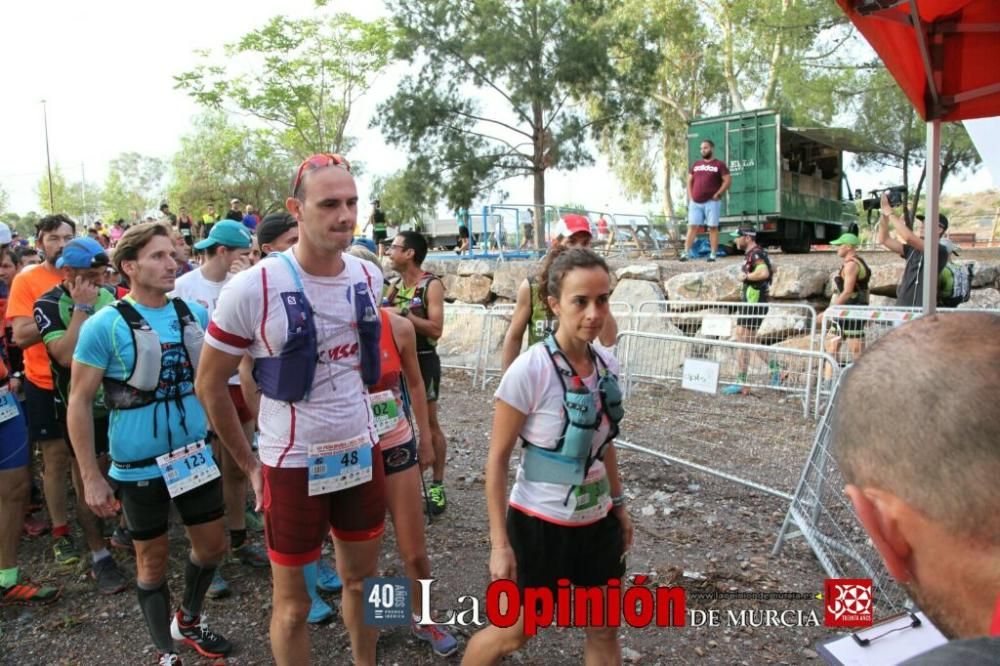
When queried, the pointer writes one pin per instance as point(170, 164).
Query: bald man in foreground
point(916, 433)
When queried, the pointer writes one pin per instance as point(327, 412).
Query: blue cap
point(228, 233)
point(83, 253)
point(366, 243)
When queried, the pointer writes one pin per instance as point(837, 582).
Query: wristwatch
point(83, 307)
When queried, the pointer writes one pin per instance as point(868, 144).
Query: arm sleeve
point(49, 322)
point(237, 314)
point(518, 388)
point(95, 346)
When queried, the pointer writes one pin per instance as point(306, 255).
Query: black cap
point(942, 220)
point(273, 226)
point(743, 230)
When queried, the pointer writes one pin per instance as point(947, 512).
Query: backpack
point(962, 277)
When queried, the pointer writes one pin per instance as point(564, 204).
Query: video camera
point(896, 196)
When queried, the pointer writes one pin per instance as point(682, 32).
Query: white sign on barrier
point(719, 326)
point(701, 375)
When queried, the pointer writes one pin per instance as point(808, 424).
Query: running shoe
point(683, 257)
point(254, 522)
point(168, 659)
point(65, 552)
point(711, 258)
point(320, 612)
point(198, 636)
point(437, 499)
point(219, 589)
point(328, 580)
point(777, 377)
point(110, 579)
point(443, 643)
point(25, 594)
point(735, 389)
point(122, 539)
point(35, 526)
point(252, 556)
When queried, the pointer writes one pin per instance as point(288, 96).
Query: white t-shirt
point(194, 286)
point(532, 387)
point(250, 318)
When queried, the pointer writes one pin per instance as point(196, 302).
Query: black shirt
point(910, 291)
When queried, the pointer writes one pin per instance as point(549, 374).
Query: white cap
point(5, 235)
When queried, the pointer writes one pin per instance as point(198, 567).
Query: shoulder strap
point(184, 314)
point(291, 269)
point(131, 316)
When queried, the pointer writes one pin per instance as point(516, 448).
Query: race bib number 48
point(340, 465)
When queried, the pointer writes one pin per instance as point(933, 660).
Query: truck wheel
point(796, 246)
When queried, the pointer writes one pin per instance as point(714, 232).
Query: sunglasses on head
point(319, 161)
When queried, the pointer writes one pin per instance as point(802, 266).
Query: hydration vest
point(288, 377)
point(147, 374)
point(763, 286)
point(860, 295)
point(392, 365)
point(570, 459)
point(415, 302)
point(541, 324)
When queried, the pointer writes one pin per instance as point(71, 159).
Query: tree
point(76, 199)
point(4, 199)
point(407, 196)
point(23, 224)
point(528, 63)
point(220, 160)
point(134, 186)
point(302, 77)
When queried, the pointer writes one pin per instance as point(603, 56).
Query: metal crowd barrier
point(459, 343)
point(824, 517)
point(676, 408)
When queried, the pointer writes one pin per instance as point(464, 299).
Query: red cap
point(574, 223)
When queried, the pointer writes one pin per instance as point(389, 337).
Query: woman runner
point(546, 531)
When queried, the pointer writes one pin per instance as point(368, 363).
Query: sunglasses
point(319, 161)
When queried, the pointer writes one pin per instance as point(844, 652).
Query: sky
point(106, 72)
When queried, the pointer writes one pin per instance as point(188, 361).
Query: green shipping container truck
point(787, 182)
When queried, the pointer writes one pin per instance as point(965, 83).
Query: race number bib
point(340, 465)
point(8, 405)
point(385, 410)
point(187, 468)
point(591, 499)
point(186, 233)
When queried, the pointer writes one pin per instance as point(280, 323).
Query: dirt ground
point(704, 534)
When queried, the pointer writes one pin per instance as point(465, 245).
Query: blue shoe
point(319, 611)
point(443, 643)
point(328, 580)
point(219, 589)
point(735, 389)
point(777, 377)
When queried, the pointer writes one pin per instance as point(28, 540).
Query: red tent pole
point(930, 276)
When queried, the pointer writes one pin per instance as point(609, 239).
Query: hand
point(242, 263)
point(628, 531)
point(716, 196)
point(99, 497)
point(425, 456)
point(886, 209)
point(83, 291)
point(15, 386)
point(257, 482)
point(503, 564)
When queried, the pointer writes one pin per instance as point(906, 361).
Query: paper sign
point(701, 375)
point(717, 325)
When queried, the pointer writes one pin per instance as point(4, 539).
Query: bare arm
point(80, 423)
point(433, 325)
point(727, 181)
point(609, 332)
point(406, 340)
point(518, 323)
point(759, 274)
point(615, 483)
point(25, 332)
point(905, 234)
point(689, 186)
point(61, 349)
point(507, 424)
point(251, 393)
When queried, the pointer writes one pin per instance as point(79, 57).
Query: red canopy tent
point(945, 55)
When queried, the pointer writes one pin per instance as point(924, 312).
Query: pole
point(48, 159)
point(930, 276)
point(83, 190)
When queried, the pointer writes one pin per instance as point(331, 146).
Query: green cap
point(847, 239)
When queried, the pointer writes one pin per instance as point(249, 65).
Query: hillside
point(973, 212)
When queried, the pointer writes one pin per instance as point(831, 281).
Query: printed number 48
point(349, 459)
point(382, 596)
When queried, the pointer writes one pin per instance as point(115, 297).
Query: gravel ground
point(691, 530)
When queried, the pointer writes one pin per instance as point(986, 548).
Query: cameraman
point(910, 246)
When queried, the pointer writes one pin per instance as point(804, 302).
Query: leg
point(439, 442)
point(713, 238)
point(151, 584)
point(402, 497)
point(14, 488)
point(855, 345)
point(357, 560)
point(832, 347)
point(491, 644)
point(289, 633)
point(89, 522)
point(601, 647)
point(234, 489)
point(55, 465)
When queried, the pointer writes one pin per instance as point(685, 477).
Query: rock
point(472, 289)
point(635, 292)
point(649, 272)
point(449, 282)
point(507, 277)
point(717, 285)
point(798, 281)
point(648, 510)
point(885, 277)
point(809, 654)
point(875, 300)
point(984, 274)
point(630, 656)
point(988, 298)
point(476, 267)
point(441, 268)
point(780, 323)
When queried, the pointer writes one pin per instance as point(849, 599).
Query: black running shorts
point(146, 505)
